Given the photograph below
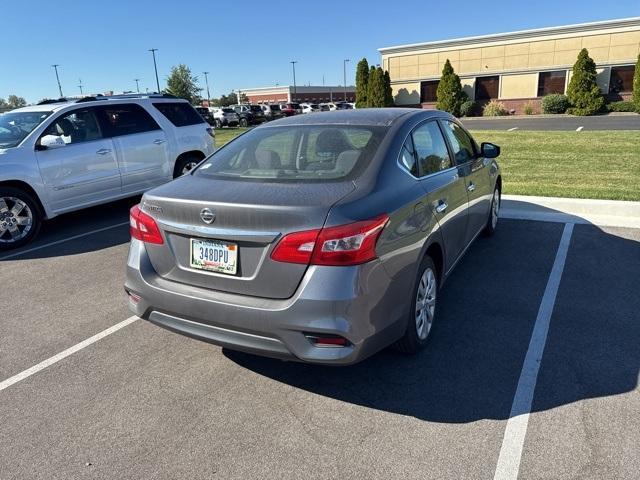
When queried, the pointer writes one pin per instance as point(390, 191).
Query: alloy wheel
point(495, 208)
point(425, 303)
point(16, 220)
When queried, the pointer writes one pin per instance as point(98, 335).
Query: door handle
point(103, 151)
point(158, 142)
point(471, 187)
point(442, 206)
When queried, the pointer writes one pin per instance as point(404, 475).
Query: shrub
point(449, 93)
point(528, 108)
point(467, 108)
point(555, 103)
point(624, 106)
point(494, 109)
point(583, 92)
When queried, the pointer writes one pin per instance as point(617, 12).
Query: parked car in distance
point(60, 156)
point(310, 107)
point(342, 229)
point(290, 109)
point(324, 107)
point(225, 117)
point(272, 111)
point(249, 114)
point(343, 106)
point(206, 114)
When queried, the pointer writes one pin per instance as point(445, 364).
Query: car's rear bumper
point(358, 303)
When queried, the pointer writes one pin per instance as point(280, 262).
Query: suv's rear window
point(295, 153)
point(256, 108)
point(179, 113)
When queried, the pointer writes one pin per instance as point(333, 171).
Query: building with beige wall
point(517, 67)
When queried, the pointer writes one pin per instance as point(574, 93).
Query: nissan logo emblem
point(207, 215)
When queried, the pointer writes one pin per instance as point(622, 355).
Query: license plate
point(214, 256)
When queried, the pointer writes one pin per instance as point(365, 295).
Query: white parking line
point(512, 129)
point(64, 354)
point(57, 242)
point(516, 429)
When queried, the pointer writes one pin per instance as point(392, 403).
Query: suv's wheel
point(185, 165)
point(244, 123)
point(20, 218)
point(423, 308)
point(218, 124)
point(494, 211)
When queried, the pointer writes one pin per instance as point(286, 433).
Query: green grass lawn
point(583, 164)
point(603, 164)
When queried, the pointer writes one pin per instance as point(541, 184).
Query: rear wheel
point(218, 124)
point(244, 123)
point(423, 308)
point(20, 218)
point(185, 165)
point(492, 221)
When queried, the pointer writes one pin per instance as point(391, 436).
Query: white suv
point(60, 156)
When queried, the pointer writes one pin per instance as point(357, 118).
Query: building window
point(621, 79)
point(428, 91)
point(551, 82)
point(487, 88)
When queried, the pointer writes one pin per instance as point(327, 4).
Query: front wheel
point(20, 218)
point(185, 164)
point(218, 124)
point(494, 211)
point(244, 123)
point(423, 308)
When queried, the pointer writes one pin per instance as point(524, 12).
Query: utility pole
point(55, 67)
point(293, 65)
point(155, 66)
point(80, 86)
point(137, 85)
point(206, 79)
point(344, 76)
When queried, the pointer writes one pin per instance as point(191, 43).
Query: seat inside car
point(267, 160)
point(329, 145)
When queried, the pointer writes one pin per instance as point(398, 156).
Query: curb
point(605, 213)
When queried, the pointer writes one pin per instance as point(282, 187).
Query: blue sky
point(243, 44)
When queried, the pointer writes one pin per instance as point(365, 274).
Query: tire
point(494, 211)
point(416, 337)
point(244, 123)
point(185, 164)
point(27, 220)
point(218, 124)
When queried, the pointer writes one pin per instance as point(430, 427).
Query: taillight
point(144, 227)
point(349, 244)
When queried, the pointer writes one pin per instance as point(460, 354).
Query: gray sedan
point(315, 238)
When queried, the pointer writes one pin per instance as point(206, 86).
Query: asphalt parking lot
point(494, 389)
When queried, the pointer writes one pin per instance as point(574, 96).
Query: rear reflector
point(144, 227)
point(328, 340)
point(350, 244)
point(134, 298)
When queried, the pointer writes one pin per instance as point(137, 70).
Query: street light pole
point(344, 76)
point(155, 66)
point(206, 79)
point(55, 67)
point(80, 86)
point(137, 85)
point(293, 65)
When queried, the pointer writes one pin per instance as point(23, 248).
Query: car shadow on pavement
point(470, 369)
point(108, 222)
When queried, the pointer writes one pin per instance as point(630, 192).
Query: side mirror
point(489, 150)
point(49, 142)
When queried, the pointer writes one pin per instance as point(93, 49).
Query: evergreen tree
point(636, 86)
point(583, 91)
point(372, 72)
point(362, 79)
point(182, 84)
point(388, 91)
point(375, 90)
point(449, 94)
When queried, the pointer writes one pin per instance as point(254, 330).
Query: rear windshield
point(180, 114)
point(275, 107)
point(228, 110)
point(295, 153)
point(256, 108)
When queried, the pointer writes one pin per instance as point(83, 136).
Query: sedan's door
point(444, 189)
point(77, 161)
point(474, 169)
point(141, 147)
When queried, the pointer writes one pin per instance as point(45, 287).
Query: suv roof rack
point(49, 101)
point(138, 95)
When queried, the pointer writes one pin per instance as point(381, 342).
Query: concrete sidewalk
point(605, 213)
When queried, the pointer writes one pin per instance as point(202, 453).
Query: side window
point(431, 149)
point(408, 158)
point(462, 145)
point(127, 119)
point(75, 127)
point(180, 114)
